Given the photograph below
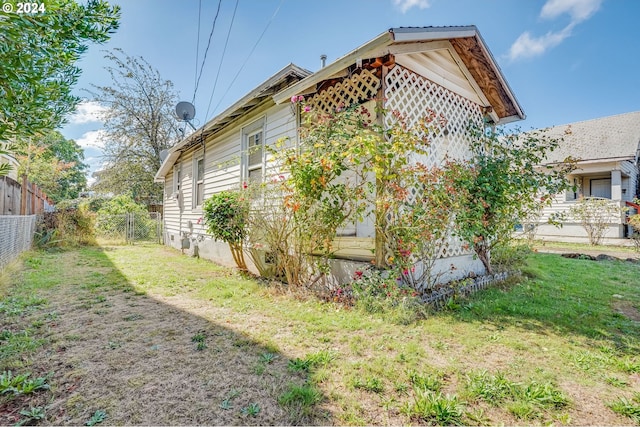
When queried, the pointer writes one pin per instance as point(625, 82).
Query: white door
point(601, 188)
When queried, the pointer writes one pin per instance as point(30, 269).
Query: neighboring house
point(447, 70)
point(607, 150)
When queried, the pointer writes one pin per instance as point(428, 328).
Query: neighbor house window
point(198, 181)
point(254, 152)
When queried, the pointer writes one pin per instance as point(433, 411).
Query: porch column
point(616, 185)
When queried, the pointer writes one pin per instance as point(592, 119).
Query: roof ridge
point(597, 119)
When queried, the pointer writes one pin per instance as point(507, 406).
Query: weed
point(302, 395)
point(435, 408)
point(544, 395)
point(616, 382)
point(523, 410)
point(226, 404)
point(21, 384)
point(133, 317)
point(267, 357)
point(372, 384)
point(34, 413)
point(627, 407)
point(629, 365)
point(425, 382)
point(493, 389)
point(321, 358)
point(97, 417)
point(199, 337)
point(253, 409)
point(201, 345)
point(15, 306)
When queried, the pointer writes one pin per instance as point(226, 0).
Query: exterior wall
point(224, 169)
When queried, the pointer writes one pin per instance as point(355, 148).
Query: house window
point(255, 160)
point(254, 152)
point(176, 180)
point(198, 181)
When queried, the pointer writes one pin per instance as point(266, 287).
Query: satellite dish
point(163, 155)
point(185, 111)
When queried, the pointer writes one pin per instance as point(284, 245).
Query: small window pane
point(200, 193)
point(200, 169)
point(255, 175)
point(255, 149)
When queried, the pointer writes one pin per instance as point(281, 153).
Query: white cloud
point(87, 112)
point(93, 138)
point(579, 10)
point(528, 46)
point(405, 5)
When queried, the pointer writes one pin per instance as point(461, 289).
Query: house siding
point(223, 171)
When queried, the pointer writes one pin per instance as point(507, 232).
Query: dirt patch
point(627, 309)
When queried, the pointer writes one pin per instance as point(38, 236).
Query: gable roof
point(283, 78)
point(613, 137)
point(475, 66)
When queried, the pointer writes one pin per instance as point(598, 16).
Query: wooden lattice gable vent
point(356, 89)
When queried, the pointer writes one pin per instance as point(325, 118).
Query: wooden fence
point(22, 199)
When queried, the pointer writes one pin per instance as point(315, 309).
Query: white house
point(607, 150)
point(448, 70)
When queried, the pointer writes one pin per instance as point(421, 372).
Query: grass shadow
point(564, 296)
point(111, 344)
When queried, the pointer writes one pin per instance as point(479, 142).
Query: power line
point(195, 77)
point(250, 53)
point(215, 83)
point(206, 51)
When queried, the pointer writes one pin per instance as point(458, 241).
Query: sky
point(565, 60)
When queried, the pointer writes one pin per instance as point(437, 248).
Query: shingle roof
point(603, 138)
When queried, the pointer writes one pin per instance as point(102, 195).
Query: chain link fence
point(16, 236)
point(130, 227)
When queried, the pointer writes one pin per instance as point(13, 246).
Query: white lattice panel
point(417, 97)
point(356, 89)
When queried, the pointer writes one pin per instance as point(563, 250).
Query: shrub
point(70, 225)
point(225, 215)
point(510, 255)
point(595, 215)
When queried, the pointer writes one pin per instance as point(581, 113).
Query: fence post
point(23, 196)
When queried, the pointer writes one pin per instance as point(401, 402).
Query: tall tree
point(139, 124)
point(55, 164)
point(37, 62)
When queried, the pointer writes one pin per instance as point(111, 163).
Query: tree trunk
point(484, 255)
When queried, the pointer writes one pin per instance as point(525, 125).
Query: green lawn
point(149, 336)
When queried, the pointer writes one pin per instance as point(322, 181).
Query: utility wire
point(204, 59)
point(250, 53)
point(195, 78)
point(215, 83)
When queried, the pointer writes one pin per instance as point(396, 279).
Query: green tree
point(55, 164)
point(507, 184)
point(139, 123)
point(37, 62)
